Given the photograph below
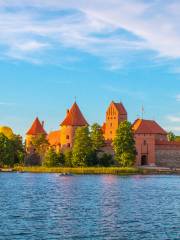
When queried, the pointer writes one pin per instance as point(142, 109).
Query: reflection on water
point(47, 206)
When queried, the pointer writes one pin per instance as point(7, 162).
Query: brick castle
point(152, 145)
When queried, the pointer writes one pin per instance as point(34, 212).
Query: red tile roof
point(36, 128)
point(54, 138)
point(74, 117)
point(142, 126)
point(120, 107)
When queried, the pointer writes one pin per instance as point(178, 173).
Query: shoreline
point(95, 170)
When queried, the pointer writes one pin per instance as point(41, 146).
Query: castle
point(152, 145)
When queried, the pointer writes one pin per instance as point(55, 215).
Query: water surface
point(49, 206)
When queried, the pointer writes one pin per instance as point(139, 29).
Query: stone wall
point(168, 157)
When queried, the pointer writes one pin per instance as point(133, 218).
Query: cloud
point(7, 104)
point(110, 30)
point(178, 97)
point(173, 128)
point(173, 119)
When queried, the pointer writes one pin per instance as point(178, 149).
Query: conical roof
point(74, 117)
point(36, 128)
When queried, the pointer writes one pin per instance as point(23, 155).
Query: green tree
point(82, 148)
point(97, 137)
point(68, 158)
point(18, 149)
point(51, 158)
point(6, 151)
point(105, 160)
point(171, 136)
point(40, 144)
point(124, 145)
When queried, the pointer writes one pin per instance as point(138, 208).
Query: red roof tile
point(54, 138)
point(120, 107)
point(74, 117)
point(36, 128)
point(142, 126)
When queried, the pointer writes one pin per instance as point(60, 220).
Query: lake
point(49, 206)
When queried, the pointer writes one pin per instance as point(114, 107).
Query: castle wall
point(168, 154)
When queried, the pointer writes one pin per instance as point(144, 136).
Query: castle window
point(111, 124)
point(110, 132)
point(68, 145)
point(67, 136)
point(145, 142)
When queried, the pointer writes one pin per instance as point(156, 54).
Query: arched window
point(67, 136)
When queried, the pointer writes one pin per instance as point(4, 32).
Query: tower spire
point(142, 112)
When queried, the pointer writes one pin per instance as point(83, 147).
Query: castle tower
point(115, 114)
point(74, 119)
point(36, 129)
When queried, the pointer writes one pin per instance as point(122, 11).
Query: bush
point(33, 160)
point(52, 159)
point(105, 160)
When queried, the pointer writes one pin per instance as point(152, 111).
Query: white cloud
point(178, 97)
point(175, 129)
point(174, 119)
point(7, 104)
point(107, 29)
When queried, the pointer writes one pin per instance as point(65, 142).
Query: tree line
point(87, 149)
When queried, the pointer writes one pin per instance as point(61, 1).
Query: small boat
point(65, 174)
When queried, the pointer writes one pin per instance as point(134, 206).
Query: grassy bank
point(80, 170)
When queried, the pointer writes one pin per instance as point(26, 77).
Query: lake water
point(49, 206)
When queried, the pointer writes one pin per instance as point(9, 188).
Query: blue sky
point(98, 51)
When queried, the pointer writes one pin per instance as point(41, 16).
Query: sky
point(55, 51)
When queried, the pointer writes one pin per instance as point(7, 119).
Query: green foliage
point(33, 159)
point(40, 144)
point(105, 160)
point(11, 150)
point(97, 137)
point(171, 136)
point(124, 145)
point(68, 158)
point(51, 158)
point(6, 151)
point(177, 138)
point(82, 149)
point(18, 149)
point(127, 159)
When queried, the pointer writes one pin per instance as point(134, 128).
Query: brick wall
point(168, 158)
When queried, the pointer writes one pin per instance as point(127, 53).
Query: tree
point(82, 149)
point(97, 137)
point(124, 145)
point(6, 151)
point(171, 136)
point(68, 158)
point(18, 149)
point(105, 160)
point(51, 158)
point(40, 144)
